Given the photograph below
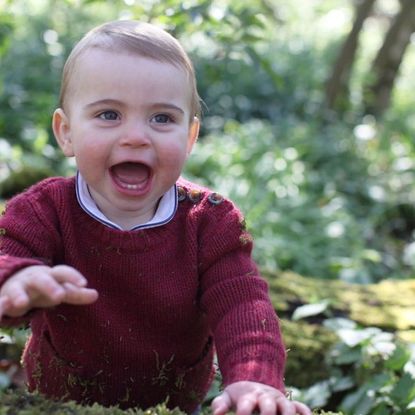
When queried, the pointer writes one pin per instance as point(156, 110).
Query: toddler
point(130, 276)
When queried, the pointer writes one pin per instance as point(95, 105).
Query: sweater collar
point(165, 212)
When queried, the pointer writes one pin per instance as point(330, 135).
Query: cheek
point(175, 154)
point(87, 146)
point(90, 156)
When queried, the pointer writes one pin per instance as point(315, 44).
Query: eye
point(108, 116)
point(162, 119)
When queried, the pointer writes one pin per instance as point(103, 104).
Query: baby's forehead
point(143, 41)
point(113, 53)
point(103, 70)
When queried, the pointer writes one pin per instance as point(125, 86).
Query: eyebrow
point(103, 102)
point(167, 105)
point(110, 101)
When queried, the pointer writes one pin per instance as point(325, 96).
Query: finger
point(246, 405)
point(302, 409)
point(285, 406)
point(45, 286)
point(79, 295)
point(267, 404)
point(16, 294)
point(65, 273)
point(16, 302)
point(221, 404)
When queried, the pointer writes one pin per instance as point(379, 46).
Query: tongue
point(131, 173)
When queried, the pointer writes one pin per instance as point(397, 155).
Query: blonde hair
point(135, 37)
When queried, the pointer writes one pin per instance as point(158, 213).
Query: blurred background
point(308, 125)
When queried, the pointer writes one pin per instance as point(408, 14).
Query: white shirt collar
point(165, 212)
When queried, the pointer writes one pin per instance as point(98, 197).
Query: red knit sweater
point(167, 297)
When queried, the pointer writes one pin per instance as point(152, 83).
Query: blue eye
point(108, 116)
point(161, 118)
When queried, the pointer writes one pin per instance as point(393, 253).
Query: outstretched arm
point(41, 286)
point(245, 397)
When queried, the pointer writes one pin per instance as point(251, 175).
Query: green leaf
point(309, 310)
point(399, 358)
point(381, 409)
point(364, 399)
point(343, 355)
point(342, 384)
point(339, 323)
point(360, 402)
point(404, 391)
point(317, 395)
point(355, 337)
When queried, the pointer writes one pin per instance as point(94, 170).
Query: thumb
point(222, 404)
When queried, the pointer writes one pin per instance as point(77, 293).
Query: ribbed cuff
point(256, 371)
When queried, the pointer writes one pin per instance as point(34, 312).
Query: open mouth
point(131, 176)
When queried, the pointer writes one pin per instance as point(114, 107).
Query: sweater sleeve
point(235, 297)
point(25, 238)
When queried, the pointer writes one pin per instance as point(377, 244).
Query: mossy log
point(388, 305)
point(22, 178)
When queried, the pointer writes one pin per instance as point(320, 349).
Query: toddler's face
point(127, 124)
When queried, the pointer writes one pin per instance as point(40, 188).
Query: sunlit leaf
point(317, 395)
point(339, 323)
point(354, 337)
point(399, 358)
point(309, 310)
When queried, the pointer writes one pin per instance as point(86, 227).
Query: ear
point(193, 134)
point(62, 131)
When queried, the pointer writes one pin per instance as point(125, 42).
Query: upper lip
point(143, 162)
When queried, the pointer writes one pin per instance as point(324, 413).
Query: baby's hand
point(43, 286)
point(246, 397)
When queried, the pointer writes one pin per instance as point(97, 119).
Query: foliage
point(371, 372)
point(319, 199)
point(324, 196)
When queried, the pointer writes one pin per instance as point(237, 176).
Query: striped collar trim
point(165, 212)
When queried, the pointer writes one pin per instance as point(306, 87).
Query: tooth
point(131, 186)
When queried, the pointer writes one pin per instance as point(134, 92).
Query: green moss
point(306, 345)
point(24, 403)
point(21, 402)
point(308, 341)
point(21, 179)
point(369, 305)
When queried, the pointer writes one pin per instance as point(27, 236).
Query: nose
point(135, 134)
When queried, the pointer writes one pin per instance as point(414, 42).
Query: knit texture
point(169, 297)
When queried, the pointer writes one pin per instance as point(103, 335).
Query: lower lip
point(132, 190)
